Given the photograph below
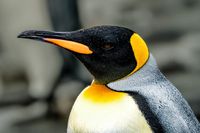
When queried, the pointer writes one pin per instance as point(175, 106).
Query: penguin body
point(101, 110)
point(129, 94)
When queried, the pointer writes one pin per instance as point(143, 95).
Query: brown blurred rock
point(9, 116)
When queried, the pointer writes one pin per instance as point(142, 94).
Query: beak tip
point(21, 35)
point(25, 34)
point(30, 34)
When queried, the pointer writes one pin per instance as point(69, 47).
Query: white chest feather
point(118, 116)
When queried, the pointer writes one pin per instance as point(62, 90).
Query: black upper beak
point(40, 35)
point(65, 40)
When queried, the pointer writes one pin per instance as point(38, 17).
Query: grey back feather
point(165, 101)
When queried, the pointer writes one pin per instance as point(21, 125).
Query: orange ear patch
point(98, 93)
point(140, 51)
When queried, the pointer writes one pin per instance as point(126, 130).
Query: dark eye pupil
point(107, 46)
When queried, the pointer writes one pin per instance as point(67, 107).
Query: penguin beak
point(63, 39)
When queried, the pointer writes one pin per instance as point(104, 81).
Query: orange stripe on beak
point(70, 45)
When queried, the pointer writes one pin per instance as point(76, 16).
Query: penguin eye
point(107, 46)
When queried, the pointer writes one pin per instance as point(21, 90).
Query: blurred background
point(39, 83)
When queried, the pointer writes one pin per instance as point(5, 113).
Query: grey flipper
point(165, 103)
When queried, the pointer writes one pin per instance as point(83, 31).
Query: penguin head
point(109, 52)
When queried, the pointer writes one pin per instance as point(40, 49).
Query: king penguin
point(128, 94)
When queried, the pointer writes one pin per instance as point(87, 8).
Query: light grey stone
point(66, 94)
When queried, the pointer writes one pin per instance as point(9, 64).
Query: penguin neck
point(101, 94)
point(147, 75)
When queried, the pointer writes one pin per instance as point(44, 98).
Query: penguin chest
point(101, 110)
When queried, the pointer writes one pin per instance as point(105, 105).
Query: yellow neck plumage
point(98, 93)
